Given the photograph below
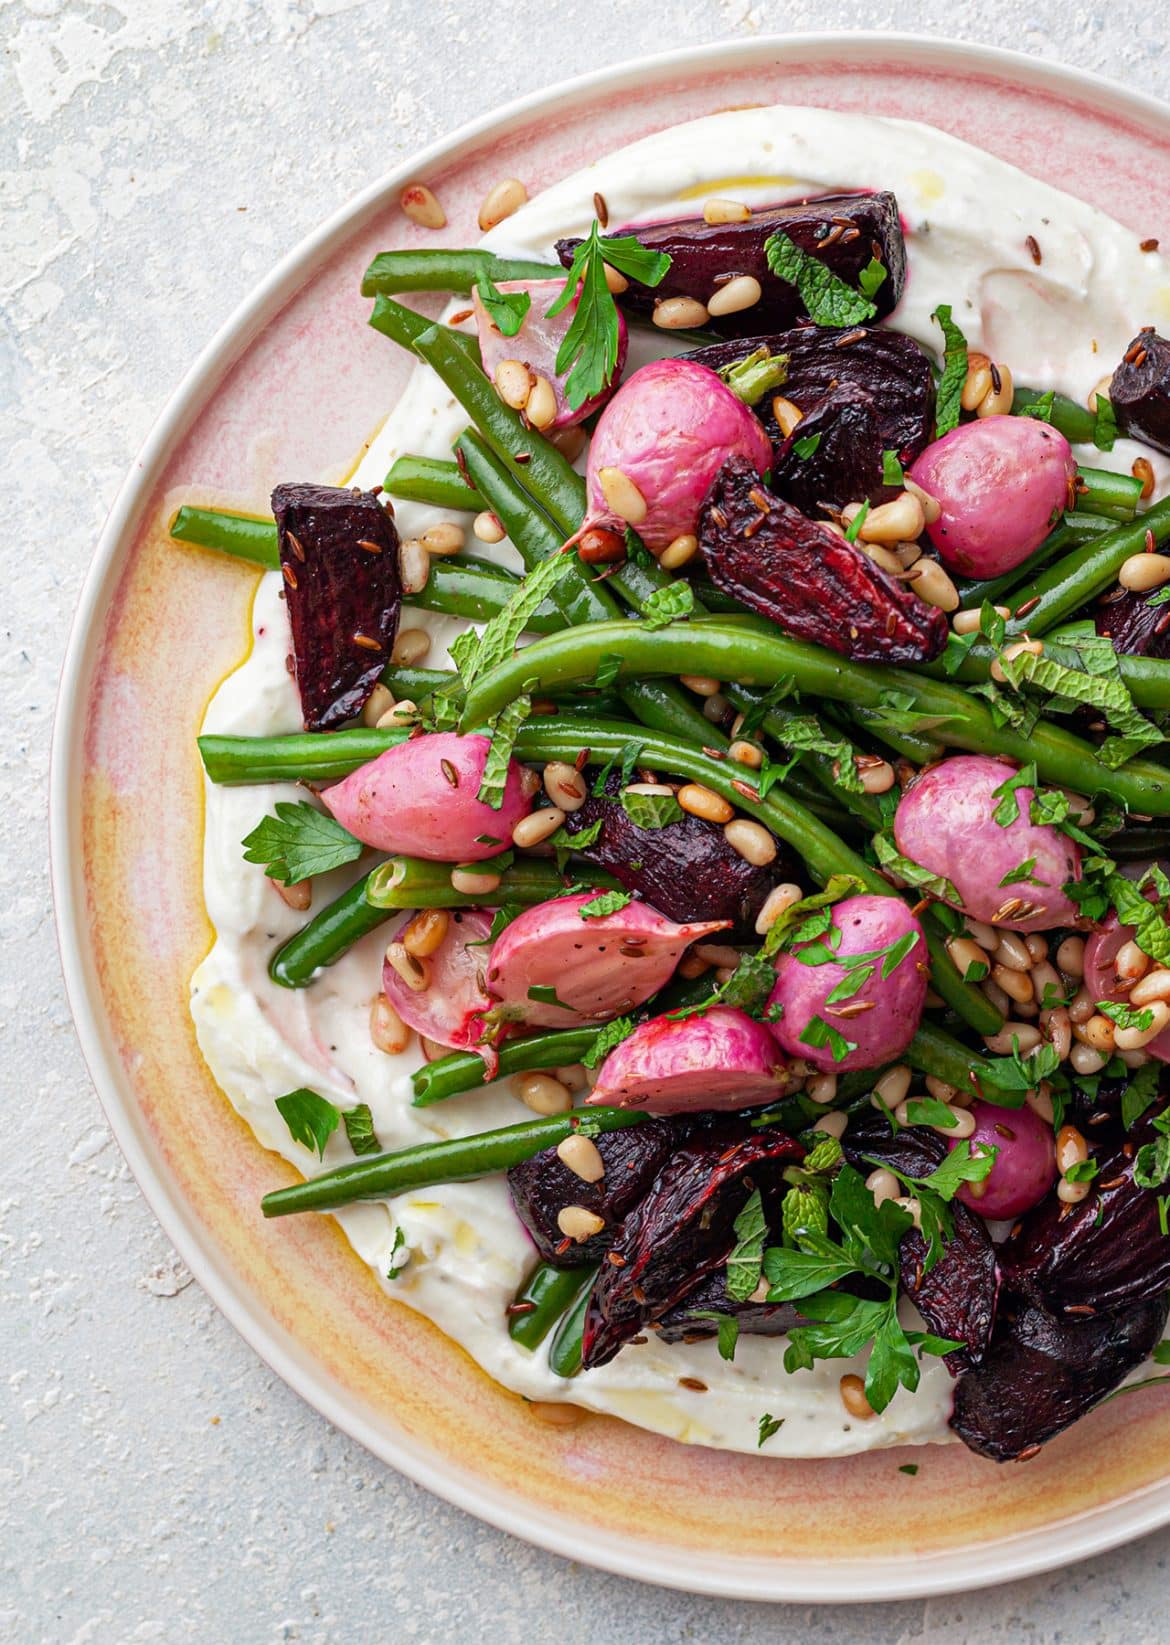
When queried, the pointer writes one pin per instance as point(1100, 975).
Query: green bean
point(725, 648)
point(465, 1070)
point(1103, 492)
point(411, 882)
point(1147, 678)
point(415, 684)
point(327, 936)
point(245, 536)
point(456, 1159)
point(432, 480)
point(1073, 529)
point(542, 1299)
point(1088, 570)
point(1077, 424)
point(304, 757)
point(448, 270)
point(564, 1351)
point(934, 1051)
point(405, 325)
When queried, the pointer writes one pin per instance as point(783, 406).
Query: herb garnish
point(311, 1119)
point(1104, 423)
point(893, 473)
point(395, 1268)
point(605, 902)
point(828, 299)
point(954, 373)
point(769, 1425)
point(504, 729)
point(806, 446)
point(612, 1034)
point(668, 604)
point(650, 810)
point(589, 349)
point(506, 310)
point(745, 1263)
point(359, 1128)
point(299, 842)
point(822, 1035)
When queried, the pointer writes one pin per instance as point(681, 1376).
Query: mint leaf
point(1140, 1094)
point(954, 373)
point(359, 1128)
point(473, 655)
point(1151, 1165)
point(788, 928)
point(829, 301)
point(503, 731)
point(605, 902)
point(1126, 1016)
point(650, 810)
point(743, 1265)
point(668, 605)
point(608, 670)
point(395, 1268)
point(872, 277)
point(506, 310)
point(298, 842)
point(311, 1119)
point(889, 857)
point(1104, 424)
point(1041, 407)
point(612, 1034)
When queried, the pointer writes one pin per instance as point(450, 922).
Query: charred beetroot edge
point(1140, 390)
point(339, 556)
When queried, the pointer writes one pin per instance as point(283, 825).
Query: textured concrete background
point(156, 1482)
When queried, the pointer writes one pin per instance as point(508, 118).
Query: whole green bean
point(448, 270)
point(564, 1351)
point(464, 1071)
point(1072, 530)
point(542, 1299)
point(411, 882)
point(327, 936)
point(455, 1159)
point(1088, 570)
point(1103, 492)
point(304, 757)
point(433, 480)
point(934, 1051)
point(404, 325)
point(244, 536)
point(1073, 420)
point(725, 648)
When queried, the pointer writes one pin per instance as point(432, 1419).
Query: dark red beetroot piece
point(686, 870)
point(542, 1187)
point(339, 556)
point(1105, 1253)
point(890, 367)
point(1140, 390)
point(680, 1231)
point(844, 231)
point(845, 464)
point(812, 583)
point(1137, 625)
point(957, 1297)
point(1044, 1374)
point(685, 1323)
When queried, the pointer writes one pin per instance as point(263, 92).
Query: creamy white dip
point(1062, 323)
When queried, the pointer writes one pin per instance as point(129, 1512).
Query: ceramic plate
point(297, 384)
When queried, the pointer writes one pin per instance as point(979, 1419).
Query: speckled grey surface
point(156, 1481)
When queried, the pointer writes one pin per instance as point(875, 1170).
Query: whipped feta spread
point(1062, 322)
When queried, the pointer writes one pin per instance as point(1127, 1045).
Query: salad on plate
point(689, 847)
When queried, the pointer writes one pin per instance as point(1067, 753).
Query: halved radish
point(721, 1059)
point(538, 342)
point(452, 1009)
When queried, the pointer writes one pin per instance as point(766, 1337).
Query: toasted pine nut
point(1153, 987)
point(1097, 1033)
point(966, 622)
point(1017, 985)
point(691, 966)
point(717, 953)
point(542, 1093)
point(853, 1398)
point(993, 992)
point(1085, 1060)
point(1071, 1193)
point(715, 707)
point(997, 402)
point(556, 1413)
point(1071, 1148)
point(717, 210)
point(473, 881)
point(1143, 470)
point(912, 1207)
point(529, 782)
point(410, 647)
point(1131, 963)
point(931, 507)
point(978, 380)
point(414, 566)
point(898, 521)
point(574, 1076)
point(649, 788)
point(508, 195)
point(541, 409)
point(942, 1090)
point(578, 1224)
point(786, 414)
point(1144, 571)
point(822, 1088)
point(422, 207)
point(1058, 1031)
point(615, 280)
point(1133, 1039)
point(622, 495)
point(488, 528)
point(1134, 1059)
point(742, 292)
point(537, 826)
point(1001, 1044)
point(1010, 652)
point(1012, 951)
point(746, 753)
point(1036, 946)
point(751, 841)
point(513, 382)
point(877, 775)
point(297, 897)
point(1104, 385)
point(387, 1029)
point(893, 1085)
point(581, 1156)
point(1070, 956)
point(701, 802)
point(778, 901)
point(882, 557)
point(679, 313)
point(444, 538)
point(971, 961)
point(907, 554)
point(565, 786)
point(402, 714)
point(932, 584)
point(425, 932)
point(600, 546)
point(415, 973)
point(883, 1185)
point(701, 684)
point(679, 552)
point(1040, 1102)
point(380, 701)
point(1047, 988)
point(833, 1125)
point(1082, 1006)
point(987, 936)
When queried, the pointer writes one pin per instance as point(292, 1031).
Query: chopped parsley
point(311, 1119)
point(589, 349)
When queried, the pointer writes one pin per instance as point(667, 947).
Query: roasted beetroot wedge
point(833, 456)
point(1140, 390)
point(809, 581)
point(957, 1297)
point(339, 556)
point(542, 1187)
point(890, 367)
point(1104, 1253)
point(679, 1232)
point(690, 1321)
point(1043, 1374)
point(1137, 626)
point(843, 231)
point(686, 870)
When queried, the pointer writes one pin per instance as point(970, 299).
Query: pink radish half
point(537, 343)
point(721, 1059)
point(418, 800)
point(452, 1009)
point(1102, 981)
point(597, 967)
